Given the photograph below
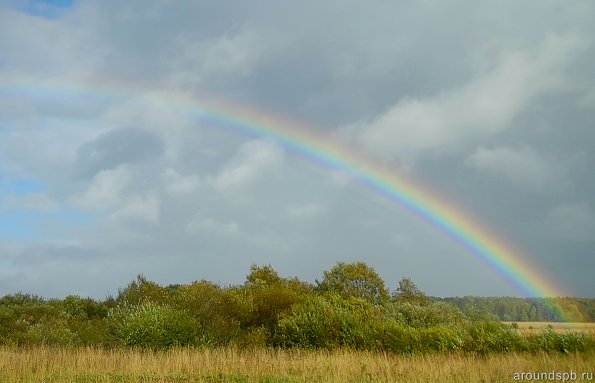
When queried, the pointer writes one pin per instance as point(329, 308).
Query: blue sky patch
point(19, 186)
point(32, 226)
point(18, 227)
point(49, 9)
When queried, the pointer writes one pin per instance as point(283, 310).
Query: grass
point(559, 327)
point(45, 364)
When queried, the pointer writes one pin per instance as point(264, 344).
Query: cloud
point(209, 226)
point(106, 189)
point(310, 210)
point(47, 46)
point(588, 100)
point(486, 105)
point(177, 184)
point(136, 181)
point(234, 54)
point(522, 166)
point(572, 222)
point(38, 201)
point(254, 160)
point(116, 147)
point(144, 208)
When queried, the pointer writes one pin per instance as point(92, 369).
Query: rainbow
point(325, 150)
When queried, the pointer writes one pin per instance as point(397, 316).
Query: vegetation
point(349, 309)
point(512, 309)
point(82, 364)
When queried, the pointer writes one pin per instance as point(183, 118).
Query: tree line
point(514, 309)
point(350, 307)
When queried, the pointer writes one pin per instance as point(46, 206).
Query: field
point(559, 327)
point(43, 364)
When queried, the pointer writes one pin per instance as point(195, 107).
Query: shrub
point(489, 336)
point(415, 315)
point(397, 338)
point(441, 339)
point(150, 325)
point(330, 322)
point(550, 341)
point(142, 290)
point(356, 280)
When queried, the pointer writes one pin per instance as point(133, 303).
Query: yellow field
point(561, 327)
point(189, 365)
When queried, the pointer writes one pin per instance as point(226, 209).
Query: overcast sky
point(490, 104)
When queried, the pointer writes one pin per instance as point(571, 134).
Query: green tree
point(262, 276)
point(141, 290)
point(272, 296)
point(150, 325)
point(409, 292)
point(356, 280)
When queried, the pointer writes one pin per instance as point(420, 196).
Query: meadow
point(347, 328)
point(50, 364)
point(558, 327)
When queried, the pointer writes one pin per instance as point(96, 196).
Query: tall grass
point(46, 364)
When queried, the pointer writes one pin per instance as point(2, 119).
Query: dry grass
point(559, 327)
point(44, 364)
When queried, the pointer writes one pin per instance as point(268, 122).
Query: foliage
point(409, 292)
point(330, 322)
point(413, 315)
point(141, 290)
point(263, 276)
point(356, 280)
point(150, 325)
point(349, 309)
point(530, 309)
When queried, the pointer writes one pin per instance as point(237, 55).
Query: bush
point(441, 339)
point(550, 341)
point(142, 290)
point(150, 325)
point(414, 315)
point(397, 338)
point(489, 336)
point(331, 322)
point(354, 280)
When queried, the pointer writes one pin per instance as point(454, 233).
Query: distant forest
point(514, 309)
point(350, 307)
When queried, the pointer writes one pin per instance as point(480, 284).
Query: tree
point(263, 276)
point(409, 292)
point(271, 295)
point(354, 280)
point(140, 290)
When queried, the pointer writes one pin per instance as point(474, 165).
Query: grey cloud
point(572, 222)
point(523, 167)
point(486, 105)
point(115, 147)
point(500, 94)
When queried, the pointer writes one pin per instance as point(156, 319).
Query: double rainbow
point(327, 151)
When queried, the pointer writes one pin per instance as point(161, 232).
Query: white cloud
point(254, 160)
point(522, 166)
point(106, 189)
point(411, 83)
point(572, 221)
point(234, 54)
point(486, 105)
point(177, 184)
point(145, 208)
point(46, 46)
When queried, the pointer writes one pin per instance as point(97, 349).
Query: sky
point(489, 105)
